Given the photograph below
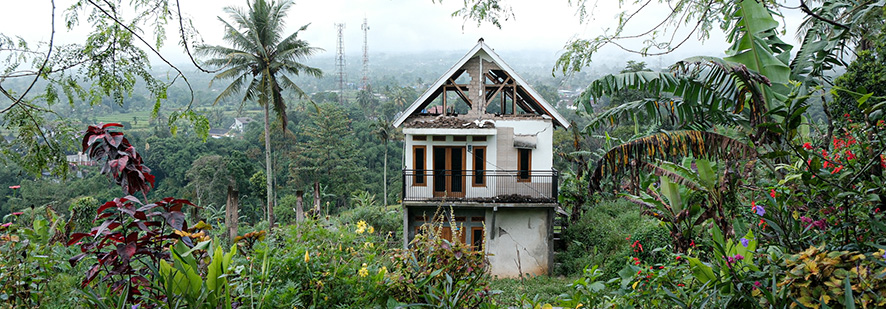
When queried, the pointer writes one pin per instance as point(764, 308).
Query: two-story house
point(478, 147)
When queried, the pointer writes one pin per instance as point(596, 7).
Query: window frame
point(528, 171)
point(420, 173)
point(482, 168)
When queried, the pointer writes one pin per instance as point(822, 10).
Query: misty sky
point(396, 26)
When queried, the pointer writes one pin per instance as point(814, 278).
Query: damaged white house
point(479, 143)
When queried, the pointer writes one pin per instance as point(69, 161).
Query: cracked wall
point(521, 244)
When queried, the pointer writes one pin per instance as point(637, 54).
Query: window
point(479, 138)
point(479, 166)
point(477, 238)
point(419, 156)
point(445, 231)
point(524, 165)
point(460, 138)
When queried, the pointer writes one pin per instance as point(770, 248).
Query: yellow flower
point(363, 272)
point(307, 257)
point(371, 229)
point(383, 270)
point(368, 245)
point(361, 227)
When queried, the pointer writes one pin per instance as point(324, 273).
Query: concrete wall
point(543, 129)
point(520, 241)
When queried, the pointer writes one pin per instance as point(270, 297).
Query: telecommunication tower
point(365, 28)
point(340, 63)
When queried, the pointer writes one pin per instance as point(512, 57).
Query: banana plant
point(687, 195)
point(183, 283)
point(670, 203)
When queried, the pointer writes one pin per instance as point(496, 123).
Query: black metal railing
point(504, 186)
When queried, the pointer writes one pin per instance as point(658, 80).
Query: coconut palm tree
point(259, 59)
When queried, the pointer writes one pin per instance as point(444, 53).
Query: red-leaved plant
point(118, 157)
point(128, 244)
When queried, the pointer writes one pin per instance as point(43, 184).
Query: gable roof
point(480, 50)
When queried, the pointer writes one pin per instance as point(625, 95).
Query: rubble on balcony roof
point(450, 122)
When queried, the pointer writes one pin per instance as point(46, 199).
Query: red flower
point(807, 146)
point(692, 243)
point(680, 284)
point(678, 257)
point(772, 193)
point(836, 170)
point(850, 155)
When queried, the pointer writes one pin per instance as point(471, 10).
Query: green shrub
point(82, 211)
point(285, 210)
point(317, 264)
point(387, 220)
point(604, 235)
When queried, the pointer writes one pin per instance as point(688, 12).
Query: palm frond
point(696, 92)
point(667, 146)
point(676, 177)
point(232, 88)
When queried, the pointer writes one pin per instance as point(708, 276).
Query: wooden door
point(449, 171)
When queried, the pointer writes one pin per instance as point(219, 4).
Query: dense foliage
point(719, 192)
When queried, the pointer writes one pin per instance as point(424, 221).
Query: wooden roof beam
point(499, 89)
point(461, 94)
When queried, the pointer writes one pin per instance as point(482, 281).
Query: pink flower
point(17, 213)
point(5, 225)
point(15, 187)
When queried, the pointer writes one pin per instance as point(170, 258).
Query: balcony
point(481, 186)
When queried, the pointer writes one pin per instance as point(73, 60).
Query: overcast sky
point(396, 26)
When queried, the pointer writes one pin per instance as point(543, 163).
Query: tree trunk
point(316, 198)
point(268, 172)
point(385, 192)
point(299, 206)
point(231, 213)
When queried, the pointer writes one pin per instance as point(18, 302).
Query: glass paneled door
point(449, 171)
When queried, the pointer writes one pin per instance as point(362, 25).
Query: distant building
point(240, 123)
point(80, 159)
point(218, 133)
point(488, 168)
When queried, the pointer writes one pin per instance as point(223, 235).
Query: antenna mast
point(365, 28)
point(340, 63)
